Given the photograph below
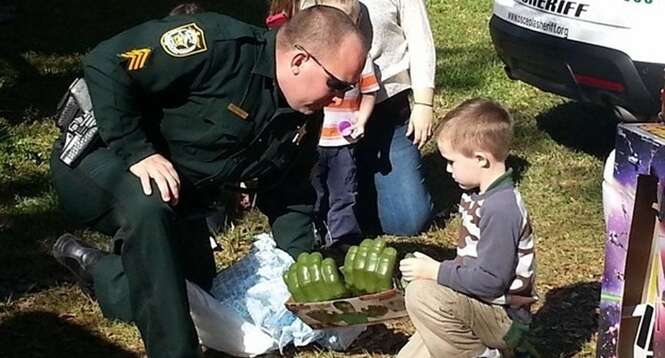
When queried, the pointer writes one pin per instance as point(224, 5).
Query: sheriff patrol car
point(609, 52)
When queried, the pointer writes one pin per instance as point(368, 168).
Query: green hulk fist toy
point(313, 279)
point(369, 268)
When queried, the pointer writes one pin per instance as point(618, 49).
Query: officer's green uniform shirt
point(201, 90)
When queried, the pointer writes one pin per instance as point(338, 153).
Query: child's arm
point(364, 112)
point(490, 274)
point(368, 86)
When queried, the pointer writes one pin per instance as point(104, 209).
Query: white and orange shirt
point(347, 108)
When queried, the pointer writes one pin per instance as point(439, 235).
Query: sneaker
point(490, 353)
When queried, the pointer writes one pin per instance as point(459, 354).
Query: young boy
point(464, 307)
point(335, 177)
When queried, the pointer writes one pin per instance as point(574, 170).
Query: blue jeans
point(336, 185)
point(392, 188)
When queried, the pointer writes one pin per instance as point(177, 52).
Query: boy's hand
point(358, 129)
point(420, 266)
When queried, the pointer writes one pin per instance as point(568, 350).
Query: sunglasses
point(332, 82)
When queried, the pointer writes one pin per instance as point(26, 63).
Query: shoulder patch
point(136, 58)
point(185, 40)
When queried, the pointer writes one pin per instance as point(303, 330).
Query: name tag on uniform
point(237, 111)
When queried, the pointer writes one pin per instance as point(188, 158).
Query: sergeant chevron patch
point(136, 58)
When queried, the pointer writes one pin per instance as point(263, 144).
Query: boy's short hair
point(478, 124)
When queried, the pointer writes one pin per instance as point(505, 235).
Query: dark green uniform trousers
point(144, 280)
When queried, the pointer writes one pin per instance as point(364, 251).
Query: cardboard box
point(632, 306)
point(362, 310)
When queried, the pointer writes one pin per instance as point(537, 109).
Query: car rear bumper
point(577, 70)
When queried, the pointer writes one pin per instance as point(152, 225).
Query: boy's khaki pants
point(450, 324)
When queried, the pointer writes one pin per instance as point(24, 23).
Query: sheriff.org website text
point(549, 26)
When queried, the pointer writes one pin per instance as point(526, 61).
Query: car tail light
point(599, 83)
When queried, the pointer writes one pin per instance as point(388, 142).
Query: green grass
point(42, 313)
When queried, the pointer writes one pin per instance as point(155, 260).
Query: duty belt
point(76, 121)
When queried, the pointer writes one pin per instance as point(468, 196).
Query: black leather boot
point(77, 258)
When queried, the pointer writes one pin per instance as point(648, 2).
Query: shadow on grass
point(46, 334)
point(30, 185)
point(469, 67)
point(216, 354)
point(519, 165)
point(28, 94)
point(71, 26)
point(25, 245)
point(436, 252)
point(588, 128)
point(377, 339)
point(4, 133)
point(67, 30)
point(567, 320)
point(446, 193)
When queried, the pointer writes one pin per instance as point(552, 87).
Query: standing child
point(344, 121)
point(335, 177)
point(464, 307)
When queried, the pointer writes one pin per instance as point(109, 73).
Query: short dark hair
point(186, 9)
point(477, 124)
point(321, 29)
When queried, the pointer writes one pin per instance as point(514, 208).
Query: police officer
point(185, 105)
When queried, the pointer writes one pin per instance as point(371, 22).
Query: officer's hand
point(420, 266)
point(312, 278)
point(369, 268)
point(420, 125)
point(159, 169)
